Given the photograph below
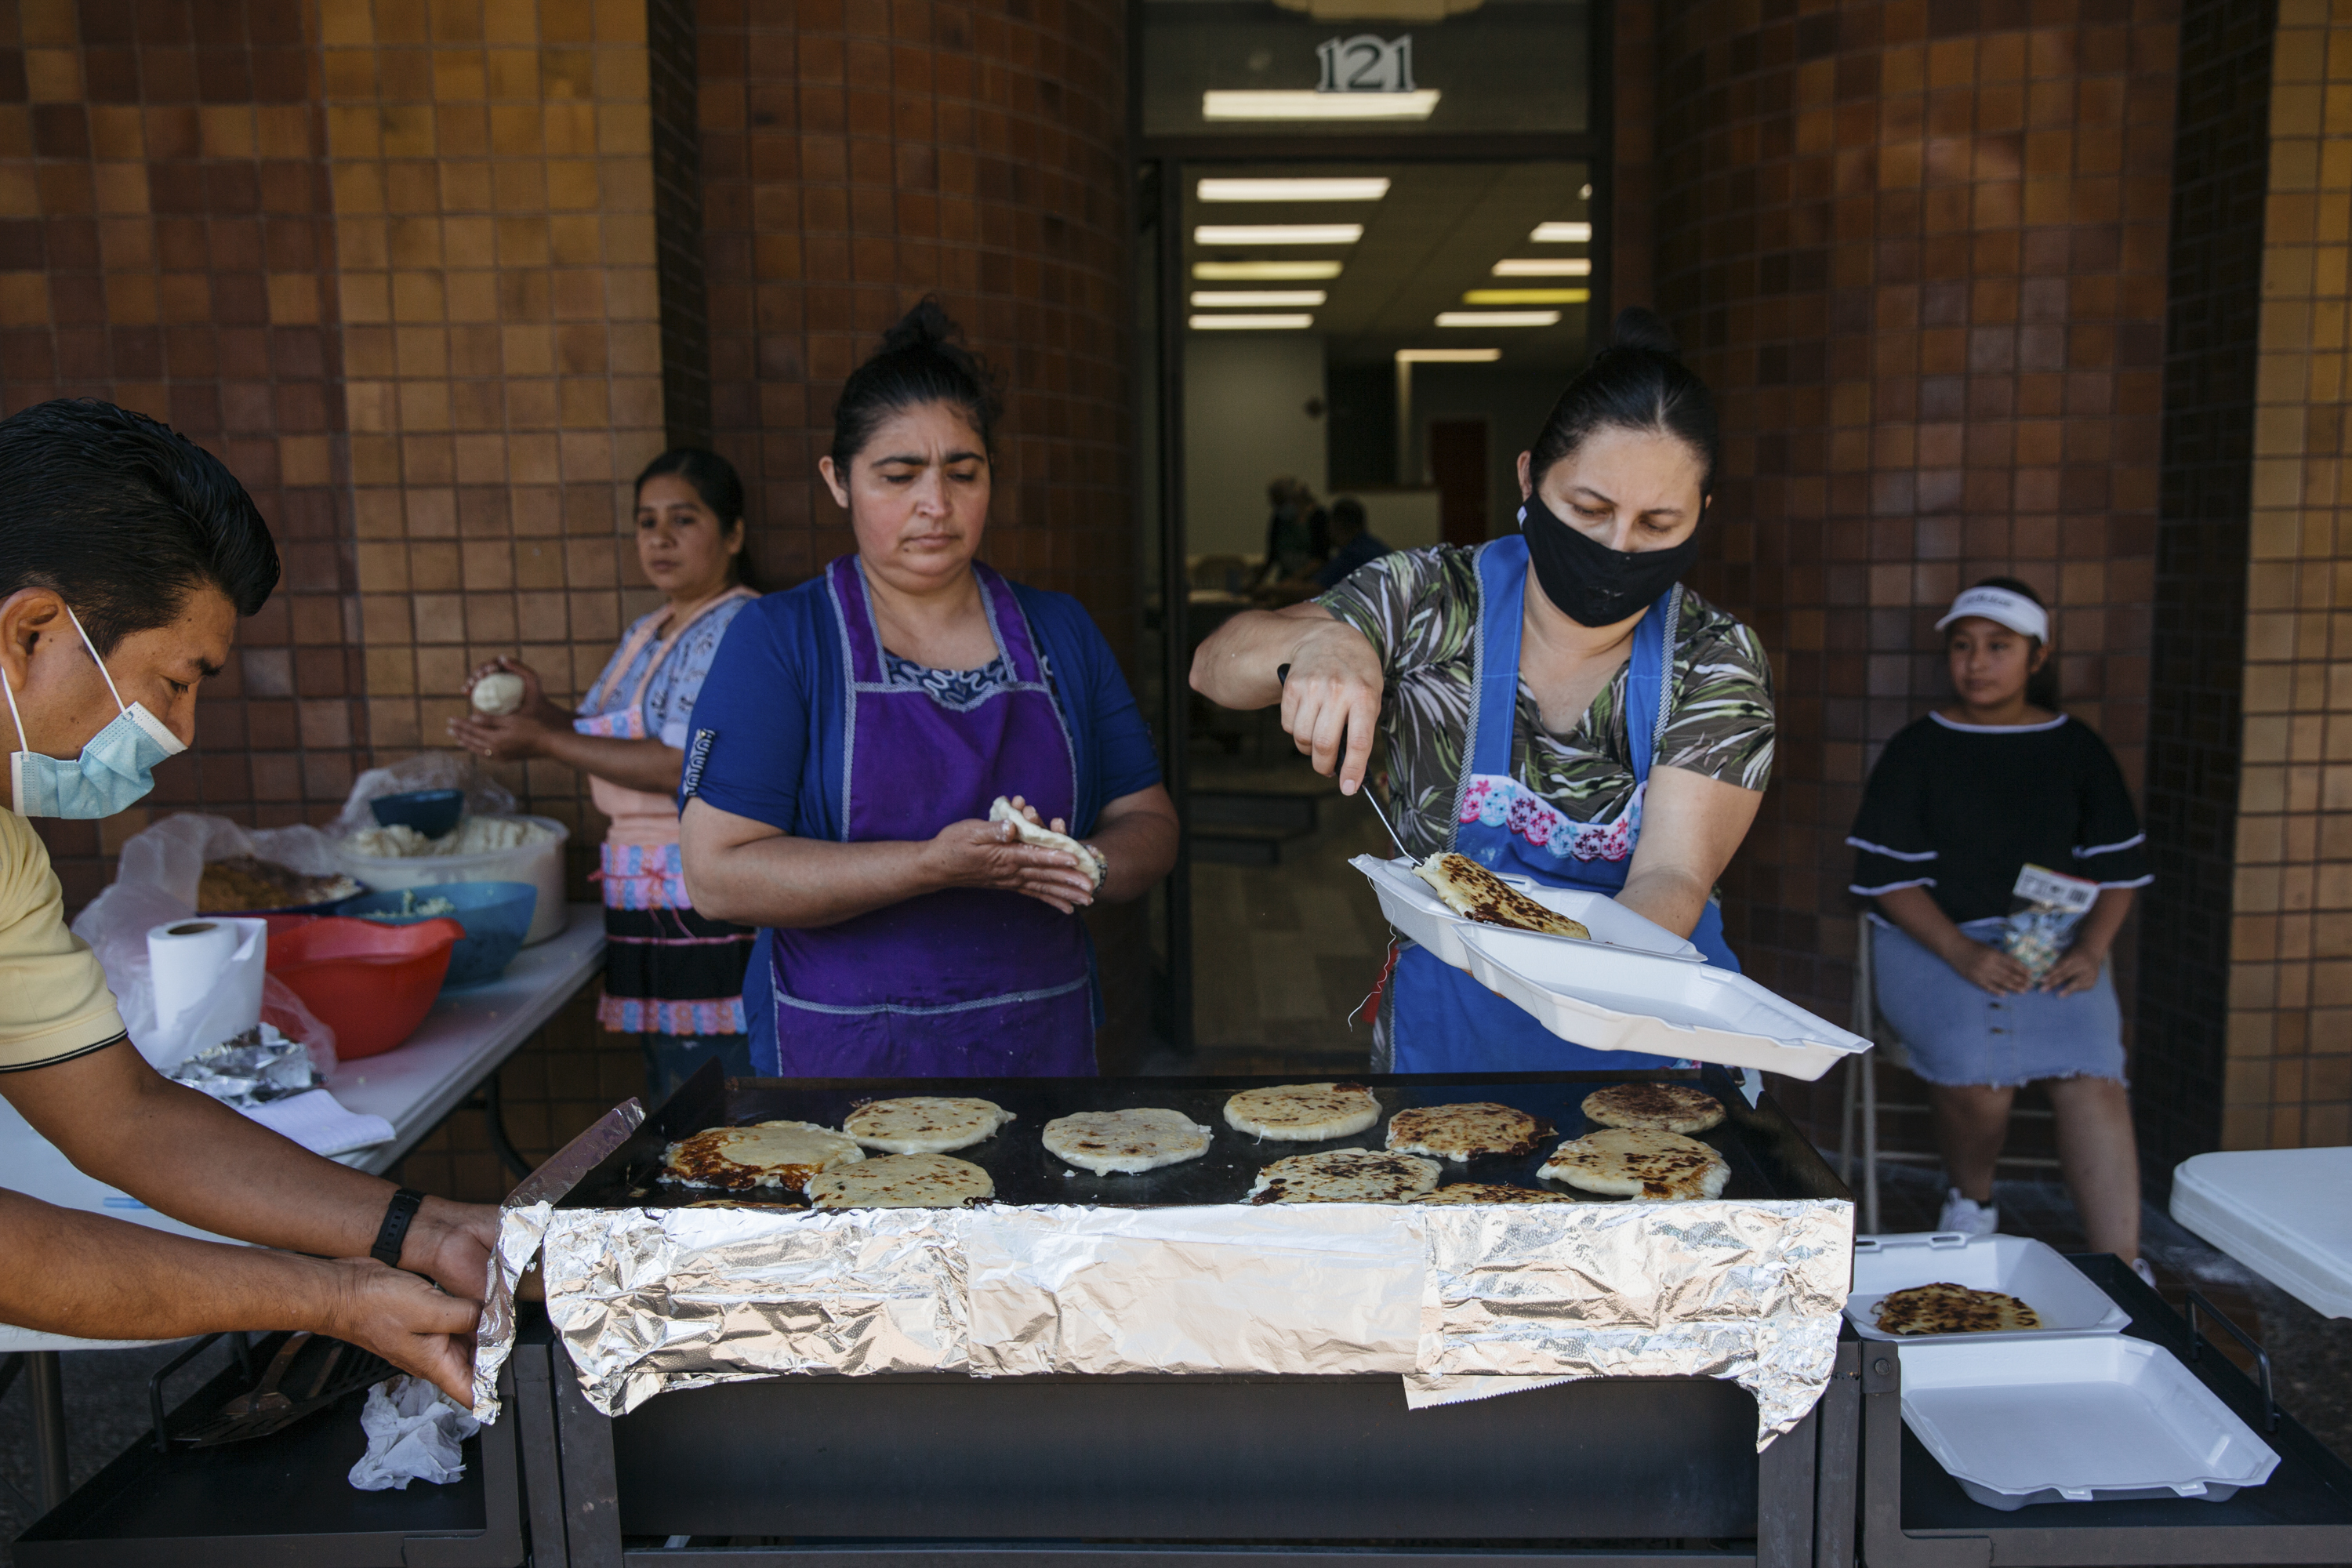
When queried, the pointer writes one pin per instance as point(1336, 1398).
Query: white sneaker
point(1966, 1215)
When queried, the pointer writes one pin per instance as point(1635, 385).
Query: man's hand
point(452, 1245)
point(407, 1322)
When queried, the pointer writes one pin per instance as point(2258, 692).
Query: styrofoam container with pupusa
point(1413, 908)
point(2061, 1295)
point(2104, 1418)
point(1607, 999)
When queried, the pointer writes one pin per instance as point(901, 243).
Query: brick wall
point(1919, 251)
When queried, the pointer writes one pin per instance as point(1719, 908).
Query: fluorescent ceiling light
point(1264, 271)
point(1526, 296)
point(1277, 234)
point(1448, 357)
point(1498, 318)
point(1562, 234)
point(1370, 189)
point(1544, 267)
point(1278, 323)
point(1230, 299)
point(1305, 103)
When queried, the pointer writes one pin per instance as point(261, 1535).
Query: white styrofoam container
point(2068, 1304)
point(1606, 999)
point(1413, 908)
point(2286, 1214)
point(539, 864)
point(2099, 1419)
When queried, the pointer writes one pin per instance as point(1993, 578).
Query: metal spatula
point(334, 1370)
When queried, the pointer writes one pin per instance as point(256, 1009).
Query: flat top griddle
point(1769, 1157)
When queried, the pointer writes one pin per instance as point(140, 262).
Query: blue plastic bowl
point(496, 915)
point(431, 812)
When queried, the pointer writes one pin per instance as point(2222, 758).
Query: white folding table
point(463, 1040)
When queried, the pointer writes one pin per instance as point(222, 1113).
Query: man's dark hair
point(1347, 517)
point(124, 518)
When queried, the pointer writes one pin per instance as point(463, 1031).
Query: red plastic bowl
point(370, 983)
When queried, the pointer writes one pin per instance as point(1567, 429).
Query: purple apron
point(964, 982)
point(1441, 1019)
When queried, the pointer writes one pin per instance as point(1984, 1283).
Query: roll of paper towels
point(207, 977)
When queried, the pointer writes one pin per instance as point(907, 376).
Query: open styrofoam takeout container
point(2102, 1418)
point(1606, 999)
point(1413, 908)
point(2067, 1302)
point(2281, 1212)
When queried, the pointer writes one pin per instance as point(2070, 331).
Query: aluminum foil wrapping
point(519, 1230)
point(1323, 1287)
point(682, 1297)
point(1747, 1290)
point(1463, 1301)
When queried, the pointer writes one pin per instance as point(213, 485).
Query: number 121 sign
point(1366, 64)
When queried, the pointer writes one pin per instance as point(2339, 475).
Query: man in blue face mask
point(127, 557)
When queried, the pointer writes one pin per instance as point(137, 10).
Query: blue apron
point(1441, 1020)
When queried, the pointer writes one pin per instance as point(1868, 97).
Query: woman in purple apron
point(1610, 731)
point(853, 735)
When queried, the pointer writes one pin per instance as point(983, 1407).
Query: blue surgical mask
point(116, 768)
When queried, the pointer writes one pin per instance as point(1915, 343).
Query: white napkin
point(413, 1432)
point(317, 1121)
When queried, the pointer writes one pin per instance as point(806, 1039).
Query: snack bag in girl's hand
point(2043, 909)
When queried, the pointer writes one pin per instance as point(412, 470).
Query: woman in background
point(672, 977)
point(1965, 806)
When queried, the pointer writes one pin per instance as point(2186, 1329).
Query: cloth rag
point(319, 1122)
point(413, 1432)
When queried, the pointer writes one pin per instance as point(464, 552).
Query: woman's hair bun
point(926, 326)
point(921, 360)
point(1637, 327)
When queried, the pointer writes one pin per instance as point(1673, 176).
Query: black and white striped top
point(1960, 809)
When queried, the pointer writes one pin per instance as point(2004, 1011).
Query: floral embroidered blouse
point(1419, 609)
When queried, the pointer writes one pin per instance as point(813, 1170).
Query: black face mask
point(1590, 584)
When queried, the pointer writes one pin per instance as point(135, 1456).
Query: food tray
point(1601, 998)
point(2068, 1304)
point(1413, 908)
point(1768, 1158)
point(2099, 1419)
point(2279, 1212)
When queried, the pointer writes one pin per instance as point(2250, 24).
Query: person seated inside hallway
point(1352, 544)
point(128, 555)
point(1297, 533)
point(2001, 849)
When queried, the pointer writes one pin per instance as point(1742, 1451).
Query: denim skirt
point(1958, 1033)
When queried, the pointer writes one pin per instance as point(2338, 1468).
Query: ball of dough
point(500, 692)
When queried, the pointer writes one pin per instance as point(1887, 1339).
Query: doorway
point(1362, 335)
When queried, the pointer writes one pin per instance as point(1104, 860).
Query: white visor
point(2015, 611)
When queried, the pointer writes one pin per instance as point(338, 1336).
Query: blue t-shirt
point(1362, 549)
point(769, 735)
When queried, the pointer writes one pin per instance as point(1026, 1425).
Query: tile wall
point(1919, 250)
point(2195, 719)
point(165, 243)
point(2288, 1078)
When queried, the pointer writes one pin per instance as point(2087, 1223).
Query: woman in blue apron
point(1610, 731)
point(851, 738)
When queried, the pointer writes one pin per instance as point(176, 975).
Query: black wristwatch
point(394, 1231)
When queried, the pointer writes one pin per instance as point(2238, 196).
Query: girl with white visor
point(1999, 847)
